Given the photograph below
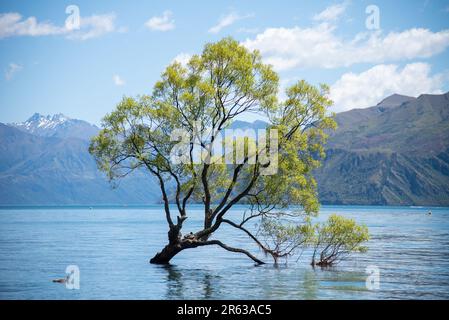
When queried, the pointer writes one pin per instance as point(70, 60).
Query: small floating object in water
point(429, 213)
point(90, 208)
point(64, 280)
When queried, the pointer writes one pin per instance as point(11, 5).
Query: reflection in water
point(175, 288)
point(188, 283)
point(208, 286)
point(310, 285)
point(335, 279)
point(273, 281)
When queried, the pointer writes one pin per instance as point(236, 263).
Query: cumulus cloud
point(319, 46)
point(365, 89)
point(94, 26)
point(13, 24)
point(331, 13)
point(248, 30)
point(182, 58)
point(228, 20)
point(118, 81)
point(161, 23)
point(12, 69)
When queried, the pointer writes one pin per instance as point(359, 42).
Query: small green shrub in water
point(337, 238)
point(283, 239)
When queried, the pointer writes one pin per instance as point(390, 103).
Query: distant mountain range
point(394, 153)
point(58, 126)
point(45, 161)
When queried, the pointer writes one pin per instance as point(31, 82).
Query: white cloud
point(162, 23)
point(94, 26)
point(367, 88)
point(319, 46)
point(183, 58)
point(13, 24)
point(13, 68)
point(331, 13)
point(118, 81)
point(248, 30)
point(228, 20)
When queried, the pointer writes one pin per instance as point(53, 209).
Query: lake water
point(112, 247)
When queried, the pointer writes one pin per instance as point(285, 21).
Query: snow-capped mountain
point(57, 125)
point(37, 170)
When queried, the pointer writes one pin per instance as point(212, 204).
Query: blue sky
point(122, 47)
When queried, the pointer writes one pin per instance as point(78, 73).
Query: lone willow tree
point(201, 99)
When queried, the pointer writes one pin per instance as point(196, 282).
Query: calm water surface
point(112, 247)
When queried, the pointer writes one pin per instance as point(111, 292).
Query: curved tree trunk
point(169, 251)
point(174, 246)
point(172, 249)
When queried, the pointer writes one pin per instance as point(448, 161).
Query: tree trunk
point(173, 247)
point(189, 241)
point(169, 251)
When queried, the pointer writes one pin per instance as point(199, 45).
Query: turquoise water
point(112, 247)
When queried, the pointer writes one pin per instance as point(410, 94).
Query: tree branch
point(265, 249)
point(228, 248)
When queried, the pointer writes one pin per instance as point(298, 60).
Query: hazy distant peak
point(38, 120)
point(34, 117)
point(37, 116)
point(244, 125)
point(438, 96)
point(60, 117)
point(57, 125)
point(395, 100)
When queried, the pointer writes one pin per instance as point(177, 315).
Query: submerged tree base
point(171, 250)
point(322, 264)
point(166, 254)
